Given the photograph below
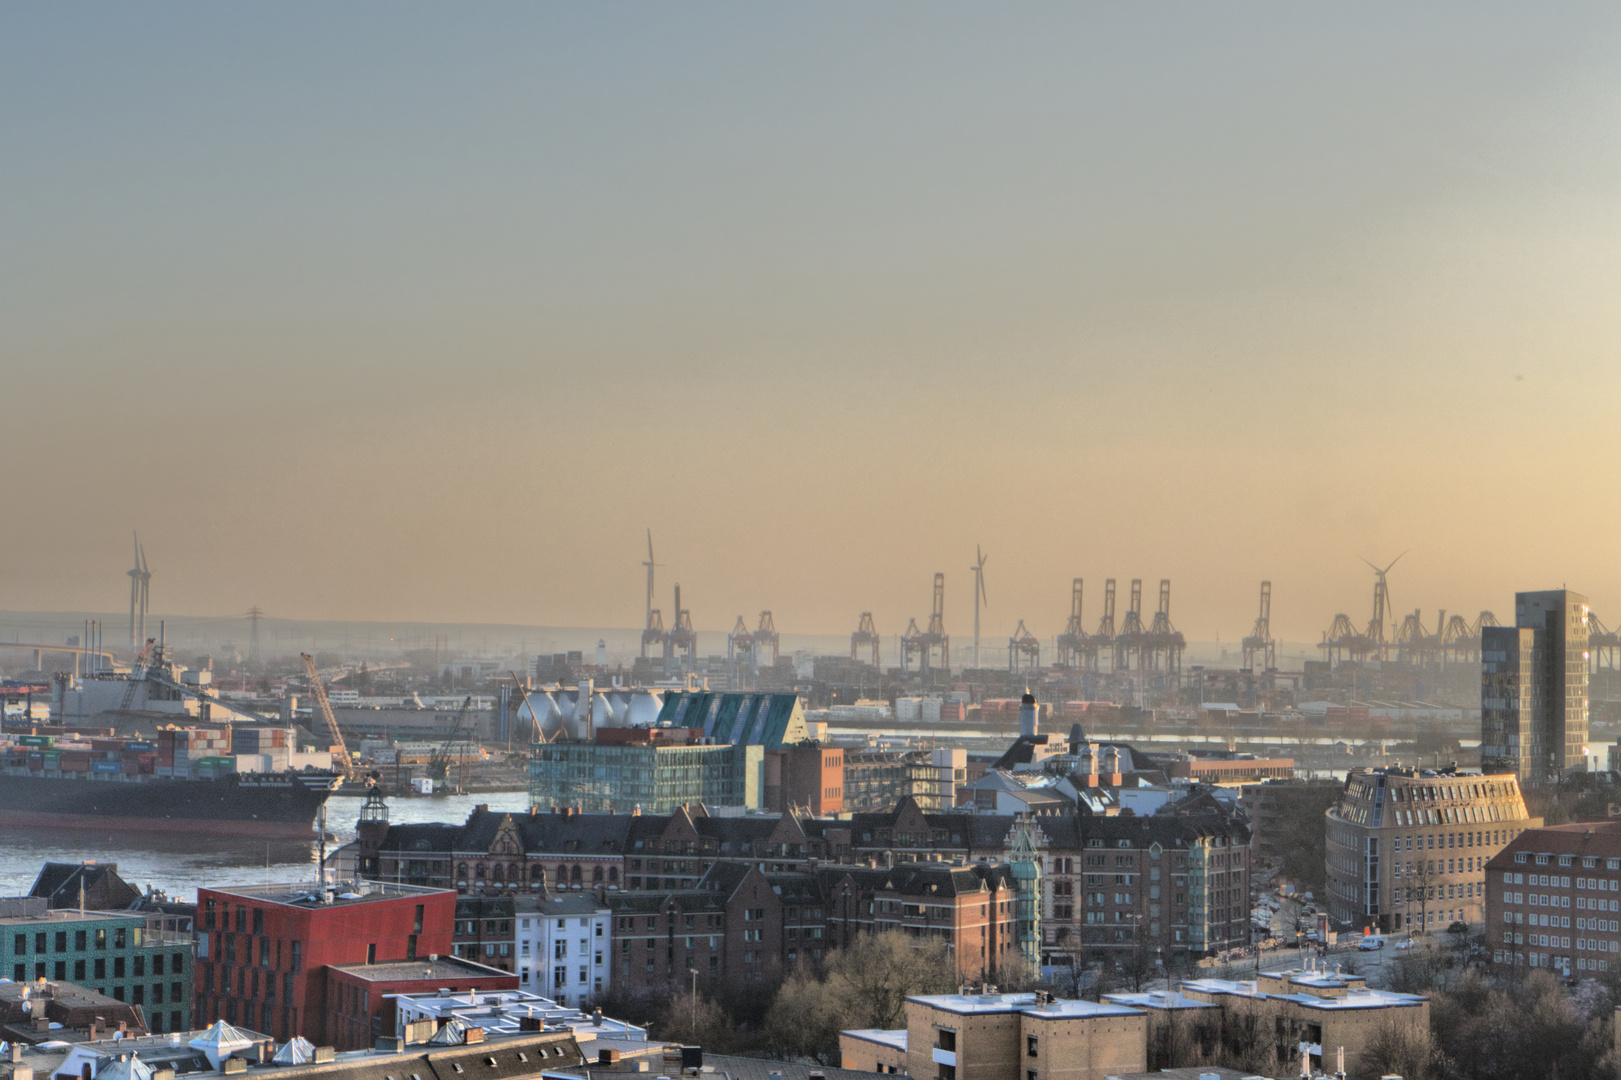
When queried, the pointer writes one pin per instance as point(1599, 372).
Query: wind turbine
point(650, 564)
point(146, 584)
point(1381, 603)
point(979, 594)
point(136, 591)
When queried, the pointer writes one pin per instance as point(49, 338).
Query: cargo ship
point(186, 781)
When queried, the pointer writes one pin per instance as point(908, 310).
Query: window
point(1030, 1042)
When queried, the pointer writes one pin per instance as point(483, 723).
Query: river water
point(178, 864)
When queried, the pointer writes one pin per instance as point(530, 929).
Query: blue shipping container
point(135, 744)
point(106, 766)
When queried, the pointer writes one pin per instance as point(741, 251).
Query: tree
point(1402, 1050)
point(865, 986)
point(696, 1021)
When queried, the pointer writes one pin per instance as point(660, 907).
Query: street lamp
point(694, 973)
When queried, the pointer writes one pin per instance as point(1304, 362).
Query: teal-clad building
point(113, 953)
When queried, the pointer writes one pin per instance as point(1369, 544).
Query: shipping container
point(37, 740)
point(106, 767)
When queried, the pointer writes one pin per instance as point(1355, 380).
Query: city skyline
point(430, 317)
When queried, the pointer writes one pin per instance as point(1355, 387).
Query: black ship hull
point(268, 805)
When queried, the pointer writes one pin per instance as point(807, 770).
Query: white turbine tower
point(979, 594)
point(650, 564)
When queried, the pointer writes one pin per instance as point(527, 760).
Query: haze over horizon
point(426, 314)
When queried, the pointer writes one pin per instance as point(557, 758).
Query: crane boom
point(344, 762)
point(439, 763)
point(534, 721)
point(139, 671)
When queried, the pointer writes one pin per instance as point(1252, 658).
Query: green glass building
point(112, 953)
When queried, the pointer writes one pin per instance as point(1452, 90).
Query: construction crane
point(534, 721)
point(344, 763)
point(866, 635)
point(1259, 643)
point(140, 671)
point(439, 762)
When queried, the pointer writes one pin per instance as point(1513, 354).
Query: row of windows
point(82, 940)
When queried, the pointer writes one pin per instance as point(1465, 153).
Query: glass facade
point(657, 779)
point(1533, 687)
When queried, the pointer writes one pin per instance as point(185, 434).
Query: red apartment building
point(264, 952)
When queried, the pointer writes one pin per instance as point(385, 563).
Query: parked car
point(1408, 944)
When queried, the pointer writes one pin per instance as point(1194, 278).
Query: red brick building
point(359, 1005)
point(263, 952)
point(1553, 899)
point(741, 925)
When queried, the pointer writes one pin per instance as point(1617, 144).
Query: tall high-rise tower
point(1533, 687)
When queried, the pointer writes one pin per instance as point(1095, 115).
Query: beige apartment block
point(1407, 848)
point(1005, 1037)
point(1317, 1012)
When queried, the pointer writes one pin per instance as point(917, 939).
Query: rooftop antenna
point(979, 594)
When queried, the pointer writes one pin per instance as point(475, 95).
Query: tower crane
point(140, 671)
point(343, 761)
point(439, 763)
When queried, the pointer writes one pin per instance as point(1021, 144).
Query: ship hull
point(213, 807)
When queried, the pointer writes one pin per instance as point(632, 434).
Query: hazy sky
point(410, 311)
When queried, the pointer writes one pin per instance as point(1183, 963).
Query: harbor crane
point(1259, 645)
point(866, 635)
point(340, 749)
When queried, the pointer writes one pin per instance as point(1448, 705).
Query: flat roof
point(70, 915)
point(438, 967)
point(1355, 997)
point(1159, 999)
point(306, 894)
point(970, 1004)
point(895, 1040)
point(569, 904)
